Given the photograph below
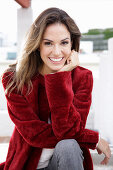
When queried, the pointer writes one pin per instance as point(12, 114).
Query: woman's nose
point(56, 50)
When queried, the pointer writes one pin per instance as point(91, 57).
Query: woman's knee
point(68, 146)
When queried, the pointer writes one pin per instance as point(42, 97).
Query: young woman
point(48, 97)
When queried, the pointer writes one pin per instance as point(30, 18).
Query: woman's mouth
point(59, 60)
point(56, 59)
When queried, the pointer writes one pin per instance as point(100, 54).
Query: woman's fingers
point(72, 62)
point(68, 60)
point(105, 161)
point(107, 157)
point(74, 58)
point(107, 150)
point(103, 147)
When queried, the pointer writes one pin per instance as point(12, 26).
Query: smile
point(56, 59)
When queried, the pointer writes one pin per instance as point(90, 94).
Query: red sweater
point(63, 96)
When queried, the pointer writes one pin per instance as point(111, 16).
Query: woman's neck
point(43, 71)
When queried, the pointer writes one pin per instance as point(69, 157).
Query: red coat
point(66, 97)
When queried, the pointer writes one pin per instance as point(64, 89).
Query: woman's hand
point(103, 147)
point(72, 62)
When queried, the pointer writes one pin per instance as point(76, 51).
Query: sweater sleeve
point(67, 119)
point(35, 132)
point(83, 96)
point(82, 102)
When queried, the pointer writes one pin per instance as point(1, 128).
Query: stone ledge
point(5, 139)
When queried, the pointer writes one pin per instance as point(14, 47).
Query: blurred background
point(94, 19)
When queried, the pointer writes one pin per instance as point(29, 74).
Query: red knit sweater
point(63, 96)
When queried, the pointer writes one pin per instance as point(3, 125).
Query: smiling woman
point(55, 48)
point(48, 99)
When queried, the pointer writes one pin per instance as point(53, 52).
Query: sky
point(88, 14)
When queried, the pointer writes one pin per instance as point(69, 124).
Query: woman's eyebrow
point(47, 39)
point(65, 39)
point(52, 41)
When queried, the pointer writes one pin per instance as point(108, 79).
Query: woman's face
point(55, 48)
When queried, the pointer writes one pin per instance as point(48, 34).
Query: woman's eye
point(65, 42)
point(47, 43)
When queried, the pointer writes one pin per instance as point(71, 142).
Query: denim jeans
point(67, 156)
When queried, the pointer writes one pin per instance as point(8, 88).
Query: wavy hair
point(29, 61)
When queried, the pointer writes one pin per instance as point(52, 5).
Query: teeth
point(54, 59)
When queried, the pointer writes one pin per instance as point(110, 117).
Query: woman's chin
point(56, 69)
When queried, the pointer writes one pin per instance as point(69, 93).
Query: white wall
point(104, 96)
point(6, 125)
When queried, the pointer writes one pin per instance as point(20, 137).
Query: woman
point(48, 96)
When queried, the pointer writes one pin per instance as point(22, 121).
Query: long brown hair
point(29, 61)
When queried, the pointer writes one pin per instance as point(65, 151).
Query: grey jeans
point(67, 156)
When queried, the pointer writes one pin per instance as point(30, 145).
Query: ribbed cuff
point(98, 141)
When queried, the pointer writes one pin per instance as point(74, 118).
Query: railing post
point(104, 92)
point(24, 21)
